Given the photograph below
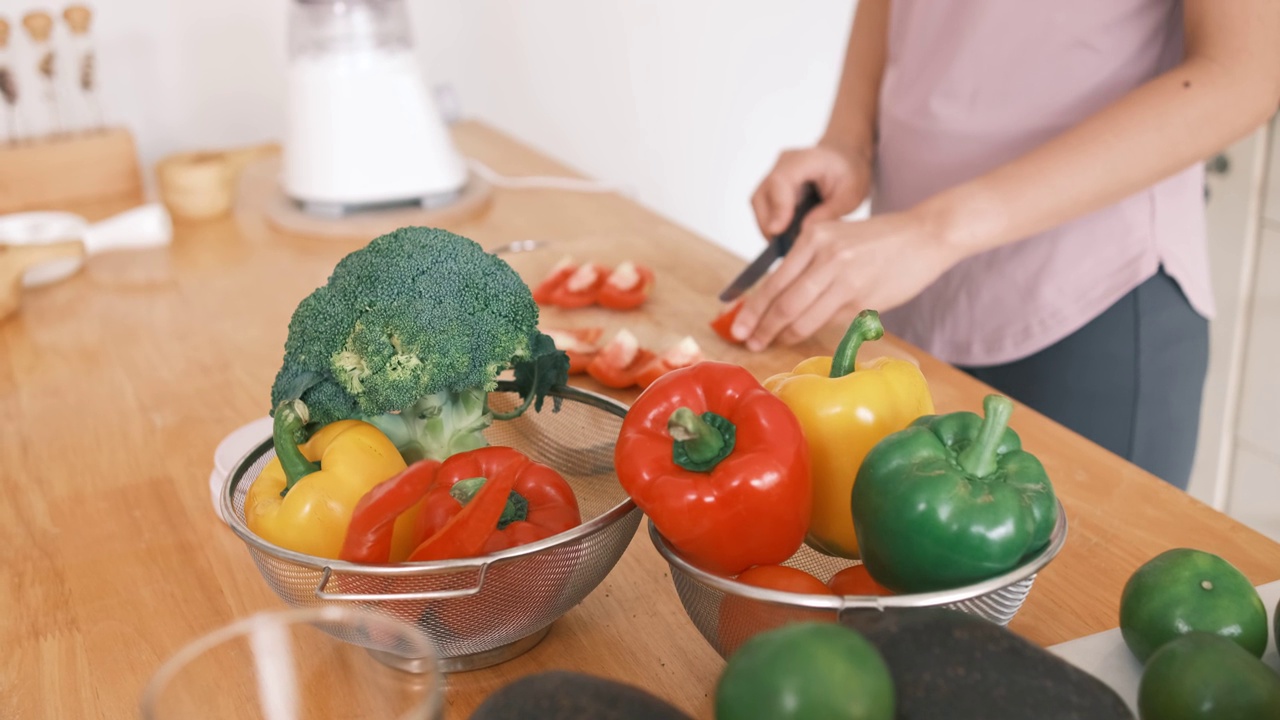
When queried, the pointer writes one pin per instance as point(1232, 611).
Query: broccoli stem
point(290, 418)
point(438, 425)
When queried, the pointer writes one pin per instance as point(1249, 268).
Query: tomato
point(741, 618)
point(580, 344)
point(1202, 676)
point(581, 288)
point(806, 670)
point(856, 580)
point(1183, 590)
point(619, 363)
point(781, 577)
point(723, 323)
point(680, 355)
point(627, 287)
point(560, 272)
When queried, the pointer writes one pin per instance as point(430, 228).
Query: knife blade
point(778, 247)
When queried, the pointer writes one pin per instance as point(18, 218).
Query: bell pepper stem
point(979, 459)
point(290, 417)
point(701, 441)
point(863, 328)
point(517, 509)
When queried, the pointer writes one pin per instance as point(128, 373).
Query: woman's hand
point(878, 263)
point(842, 179)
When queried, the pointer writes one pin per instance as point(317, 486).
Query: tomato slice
point(581, 288)
point(680, 355)
point(627, 287)
point(723, 323)
point(781, 577)
point(580, 344)
point(555, 278)
point(856, 580)
point(618, 364)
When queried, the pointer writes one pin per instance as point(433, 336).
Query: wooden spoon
point(15, 260)
point(39, 25)
point(78, 18)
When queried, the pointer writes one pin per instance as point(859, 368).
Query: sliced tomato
point(581, 288)
point(627, 287)
point(555, 278)
point(580, 344)
point(723, 324)
point(680, 355)
point(618, 363)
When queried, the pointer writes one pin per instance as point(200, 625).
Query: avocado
point(564, 695)
point(949, 664)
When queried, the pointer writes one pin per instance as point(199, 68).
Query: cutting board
point(1105, 656)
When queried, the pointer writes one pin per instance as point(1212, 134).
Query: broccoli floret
point(410, 333)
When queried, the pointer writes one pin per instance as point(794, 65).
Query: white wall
point(685, 102)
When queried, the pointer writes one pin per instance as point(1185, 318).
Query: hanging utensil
point(39, 26)
point(8, 87)
point(78, 18)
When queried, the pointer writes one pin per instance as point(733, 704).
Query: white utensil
point(142, 227)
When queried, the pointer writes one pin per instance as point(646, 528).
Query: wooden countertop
point(116, 386)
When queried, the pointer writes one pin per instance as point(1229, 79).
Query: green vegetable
point(951, 500)
point(566, 695)
point(1182, 590)
point(410, 334)
point(806, 670)
point(949, 664)
point(1202, 676)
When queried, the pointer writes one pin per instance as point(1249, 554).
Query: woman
point(1037, 197)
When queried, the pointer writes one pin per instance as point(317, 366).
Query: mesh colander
point(727, 612)
point(477, 611)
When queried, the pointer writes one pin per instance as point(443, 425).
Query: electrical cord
point(545, 182)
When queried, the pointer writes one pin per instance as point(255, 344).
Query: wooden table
point(116, 385)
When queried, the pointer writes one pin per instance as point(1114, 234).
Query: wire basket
point(727, 612)
point(477, 611)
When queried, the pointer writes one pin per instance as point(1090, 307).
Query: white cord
point(545, 182)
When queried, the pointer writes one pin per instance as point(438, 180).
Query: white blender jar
point(362, 131)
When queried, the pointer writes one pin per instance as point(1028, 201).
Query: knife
point(778, 247)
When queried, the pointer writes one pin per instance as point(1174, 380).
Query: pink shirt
point(972, 84)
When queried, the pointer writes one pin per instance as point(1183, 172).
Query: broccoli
point(410, 334)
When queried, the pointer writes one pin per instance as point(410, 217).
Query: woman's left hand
point(878, 263)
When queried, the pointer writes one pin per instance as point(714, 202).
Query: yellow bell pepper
point(303, 499)
point(844, 413)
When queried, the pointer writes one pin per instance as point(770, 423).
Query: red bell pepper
point(723, 323)
point(619, 363)
point(581, 288)
point(680, 355)
point(540, 504)
point(721, 466)
point(580, 344)
point(559, 272)
point(368, 538)
point(464, 504)
point(627, 287)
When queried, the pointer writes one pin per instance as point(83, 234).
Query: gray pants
point(1130, 380)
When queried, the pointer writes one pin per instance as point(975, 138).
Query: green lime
point(1183, 590)
point(1202, 676)
point(803, 671)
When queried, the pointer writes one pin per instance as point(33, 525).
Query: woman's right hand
point(842, 179)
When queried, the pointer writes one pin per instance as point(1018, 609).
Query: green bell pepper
point(951, 500)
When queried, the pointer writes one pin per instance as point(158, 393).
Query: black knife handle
point(810, 198)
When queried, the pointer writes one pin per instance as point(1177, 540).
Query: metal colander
point(727, 612)
point(477, 611)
